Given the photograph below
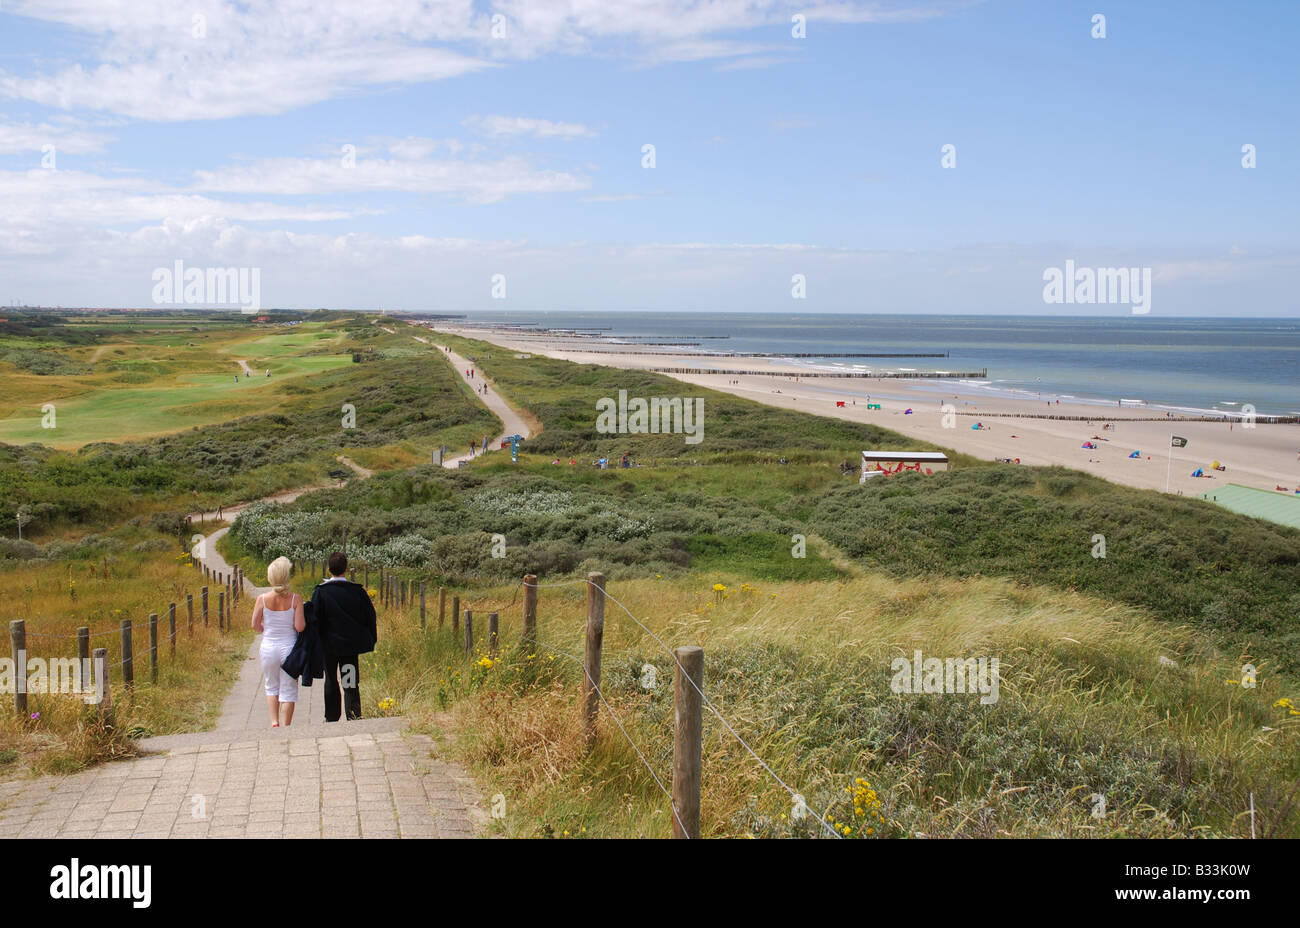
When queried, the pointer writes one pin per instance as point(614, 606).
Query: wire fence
point(590, 670)
point(161, 628)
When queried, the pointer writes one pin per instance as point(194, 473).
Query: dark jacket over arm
point(346, 617)
point(307, 659)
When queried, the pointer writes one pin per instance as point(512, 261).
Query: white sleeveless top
point(277, 624)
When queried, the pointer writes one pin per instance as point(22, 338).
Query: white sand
point(1266, 456)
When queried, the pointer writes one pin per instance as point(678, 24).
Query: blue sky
point(520, 154)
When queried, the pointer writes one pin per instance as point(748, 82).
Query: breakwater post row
point(876, 375)
point(1101, 417)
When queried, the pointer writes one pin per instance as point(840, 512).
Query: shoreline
point(1264, 457)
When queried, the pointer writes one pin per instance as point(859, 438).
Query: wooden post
point(492, 633)
point(591, 662)
point(442, 605)
point(221, 610)
point(365, 576)
point(530, 607)
point(352, 574)
point(101, 673)
point(128, 658)
point(153, 647)
point(455, 616)
point(688, 737)
point(422, 622)
point(83, 657)
point(469, 631)
point(171, 628)
point(204, 592)
point(345, 542)
point(189, 608)
point(18, 642)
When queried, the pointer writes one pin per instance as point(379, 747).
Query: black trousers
point(350, 669)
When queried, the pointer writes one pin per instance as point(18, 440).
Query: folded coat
point(307, 659)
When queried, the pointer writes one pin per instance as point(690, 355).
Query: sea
point(1187, 365)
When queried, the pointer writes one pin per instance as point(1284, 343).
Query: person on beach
point(348, 629)
point(279, 617)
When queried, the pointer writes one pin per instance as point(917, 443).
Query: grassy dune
point(802, 672)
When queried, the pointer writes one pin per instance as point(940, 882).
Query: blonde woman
point(279, 617)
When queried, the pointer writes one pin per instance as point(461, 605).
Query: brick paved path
point(364, 778)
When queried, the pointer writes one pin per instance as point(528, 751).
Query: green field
point(186, 380)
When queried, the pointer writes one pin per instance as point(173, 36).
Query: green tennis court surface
point(1282, 508)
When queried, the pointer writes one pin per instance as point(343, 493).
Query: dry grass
point(801, 671)
point(54, 600)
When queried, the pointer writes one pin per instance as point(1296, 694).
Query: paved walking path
point(513, 422)
point(244, 779)
point(363, 778)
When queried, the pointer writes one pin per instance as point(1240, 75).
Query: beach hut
point(888, 463)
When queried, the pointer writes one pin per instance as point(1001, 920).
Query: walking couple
point(323, 637)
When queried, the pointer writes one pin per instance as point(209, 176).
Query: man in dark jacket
point(346, 618)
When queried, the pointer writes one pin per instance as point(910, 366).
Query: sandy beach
point(1265, 457)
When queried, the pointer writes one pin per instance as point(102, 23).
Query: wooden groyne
point(855, 375)
point(1102, 417)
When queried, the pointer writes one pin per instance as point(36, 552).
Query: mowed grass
point(188, 386)
point(56, 599)
point(802, 672)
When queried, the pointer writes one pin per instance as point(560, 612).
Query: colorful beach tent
point(1198, 473)
point(1087, 444)
point(1136, 454)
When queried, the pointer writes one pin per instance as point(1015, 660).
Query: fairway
point(198, 383)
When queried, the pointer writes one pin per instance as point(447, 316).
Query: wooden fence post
point(492, 633)
point(422, 621)
point(153, 647)
point(469, 630)
point(171, 628)
point(442, 605)
point(128, 659)
point(189, 609)
point(18, 642)
point(204, 593)
point(83, 656)
point(221, 610)
point(688, 737)
point(591, 663)
point(530, 606)
point(365, 575)
point(106, 699)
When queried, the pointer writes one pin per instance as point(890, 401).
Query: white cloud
point(504, 126)
point(481, 182)
point(20, 137)
point(214, 59)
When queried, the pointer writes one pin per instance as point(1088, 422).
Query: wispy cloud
point(506, 126)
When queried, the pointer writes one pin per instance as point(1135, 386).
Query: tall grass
point(801, 671)
point(56, 599)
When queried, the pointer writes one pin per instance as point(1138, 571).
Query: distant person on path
point(279, 617)
point(346, 618)
point(471, 447)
